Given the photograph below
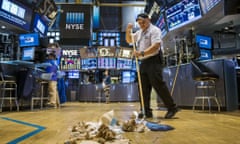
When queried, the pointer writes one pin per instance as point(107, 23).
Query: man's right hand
point(129, 26)
point(129, 33)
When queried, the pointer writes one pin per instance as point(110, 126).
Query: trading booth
point(84, 73)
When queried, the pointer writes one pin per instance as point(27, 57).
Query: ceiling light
point(3, 27)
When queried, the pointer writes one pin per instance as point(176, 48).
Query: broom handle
point(139, 77)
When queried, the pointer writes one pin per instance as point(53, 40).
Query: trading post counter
point(122, 92)
point(182, 85)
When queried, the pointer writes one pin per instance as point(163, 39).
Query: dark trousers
point(151, 77)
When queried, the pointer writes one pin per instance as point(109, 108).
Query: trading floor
point(53, 126)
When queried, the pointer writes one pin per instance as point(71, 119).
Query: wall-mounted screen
point(106, 62)
point(124, 63)
point(75, 21)
point(30, 39)
point(89, 63)
point(28, 53)
point(16, 13)
point(205, 54)
point(204, 41)
point(183, 13)
point(207, 5)
point(73, 74)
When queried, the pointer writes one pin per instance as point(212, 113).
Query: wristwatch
point(142, 53)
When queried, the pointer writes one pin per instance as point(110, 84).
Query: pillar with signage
point(70, 62)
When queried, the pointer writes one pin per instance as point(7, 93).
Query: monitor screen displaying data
point(183, 13)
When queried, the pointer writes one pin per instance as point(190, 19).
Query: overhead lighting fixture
point(3, 27)
point(48, 33)
point(57, 33)
point(53, 34)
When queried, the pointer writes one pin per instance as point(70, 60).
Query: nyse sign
point(74, 27)
point(74, 21)
point(70, 53)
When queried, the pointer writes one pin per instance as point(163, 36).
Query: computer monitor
point(205, 54)
point(128, 76)
point(88, 63)
point(106, 62)
point(204, 41)
point(28, 53)
point(30, 39)
point(73, 74)
point(124, 63)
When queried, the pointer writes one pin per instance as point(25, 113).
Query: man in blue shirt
point(52, 84)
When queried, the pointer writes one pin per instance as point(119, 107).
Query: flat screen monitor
point(30, 39)
point(39, 25)
point(73, 74)
point(89, 63)
point(183, 13)
point(207, 5)
point(128, 76)
point(205, 54)
point(204, 41)
point(124, 63)
point(28, 53)
point(106, 62)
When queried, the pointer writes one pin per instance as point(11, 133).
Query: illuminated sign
point(70, 53)
point(75, 21)
point(125, 53)
point(106, 51)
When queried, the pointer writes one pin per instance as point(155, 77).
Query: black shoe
point(147, 115)
point(171, 112)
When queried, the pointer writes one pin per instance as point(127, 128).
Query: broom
point(139, 77)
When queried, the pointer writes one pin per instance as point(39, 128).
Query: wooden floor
point(52, 126)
